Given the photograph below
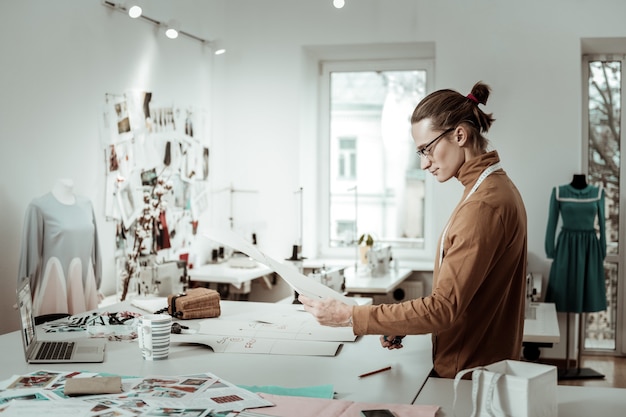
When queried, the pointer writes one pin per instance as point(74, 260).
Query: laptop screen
point(25, 304)
point(84, 349)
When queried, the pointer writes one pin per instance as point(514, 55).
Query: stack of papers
point(205, 394)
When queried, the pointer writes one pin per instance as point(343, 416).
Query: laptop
point(80, 350)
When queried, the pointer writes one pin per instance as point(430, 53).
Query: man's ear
point(460, 135)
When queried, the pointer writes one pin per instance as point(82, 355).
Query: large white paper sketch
point(299, 282)
point(288, 329)
point(284, 330)
point(241, 344)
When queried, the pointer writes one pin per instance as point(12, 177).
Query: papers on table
point(284, 331)
point(189, 395)
point(239, 344)
point(281, 330)
point(292, 329)
point(299, 282)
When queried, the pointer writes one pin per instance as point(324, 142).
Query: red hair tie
point(471, 97)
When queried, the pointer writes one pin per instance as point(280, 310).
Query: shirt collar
point(471, 170)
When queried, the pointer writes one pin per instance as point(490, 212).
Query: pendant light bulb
point(339, 3)
point(135, 12)
point(217, 47)
point(171, 31)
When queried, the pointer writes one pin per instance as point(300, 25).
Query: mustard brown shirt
point(476, 310)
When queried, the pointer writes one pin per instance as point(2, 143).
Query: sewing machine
point(378, 259)
point(164, 278)
point(333, 278)
point(533, 293)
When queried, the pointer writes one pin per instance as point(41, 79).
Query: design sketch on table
point(255, 345)
point(227, 339)
point(269, 326)
point(248, 343)
point(294, 330)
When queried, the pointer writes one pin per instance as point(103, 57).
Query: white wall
point(54, 78)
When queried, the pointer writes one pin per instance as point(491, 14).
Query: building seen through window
point(375, 185)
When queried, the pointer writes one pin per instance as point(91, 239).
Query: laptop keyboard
point(55, 350)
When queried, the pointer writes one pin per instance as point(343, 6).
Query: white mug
point(153, 333)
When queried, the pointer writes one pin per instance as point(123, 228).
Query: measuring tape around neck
point(488, 171)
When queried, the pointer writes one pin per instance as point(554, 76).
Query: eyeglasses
point(424, 151)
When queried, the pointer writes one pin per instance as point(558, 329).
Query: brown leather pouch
point(195, 303)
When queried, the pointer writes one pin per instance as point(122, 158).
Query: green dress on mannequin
point(576, 283)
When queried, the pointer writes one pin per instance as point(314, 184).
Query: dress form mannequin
point(60, 252)
point(63, 190)
point(576, 284)
point(579, 181)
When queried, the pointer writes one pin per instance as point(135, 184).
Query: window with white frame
point(603, 118)
point(372, 182)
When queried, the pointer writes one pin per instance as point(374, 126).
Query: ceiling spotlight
point(171, 33)
point(171, 30)
point(218, 49)
point(339, 3)
point(134, 11)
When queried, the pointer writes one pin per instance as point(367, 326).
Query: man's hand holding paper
point(328, 311)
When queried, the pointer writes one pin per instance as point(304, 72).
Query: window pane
point(604, 139)
point(347, 158)
point(375, 178)
point(605, 96)
point(600, 327)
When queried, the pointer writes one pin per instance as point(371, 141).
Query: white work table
point(542, 325)
point(572, 401)
point(362, 282)
point(541, 329)
point(409, 366)
point(223, 273)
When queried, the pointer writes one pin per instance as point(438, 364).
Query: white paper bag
point(513, 389)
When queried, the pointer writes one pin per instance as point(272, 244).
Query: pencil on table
point(375, 372)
